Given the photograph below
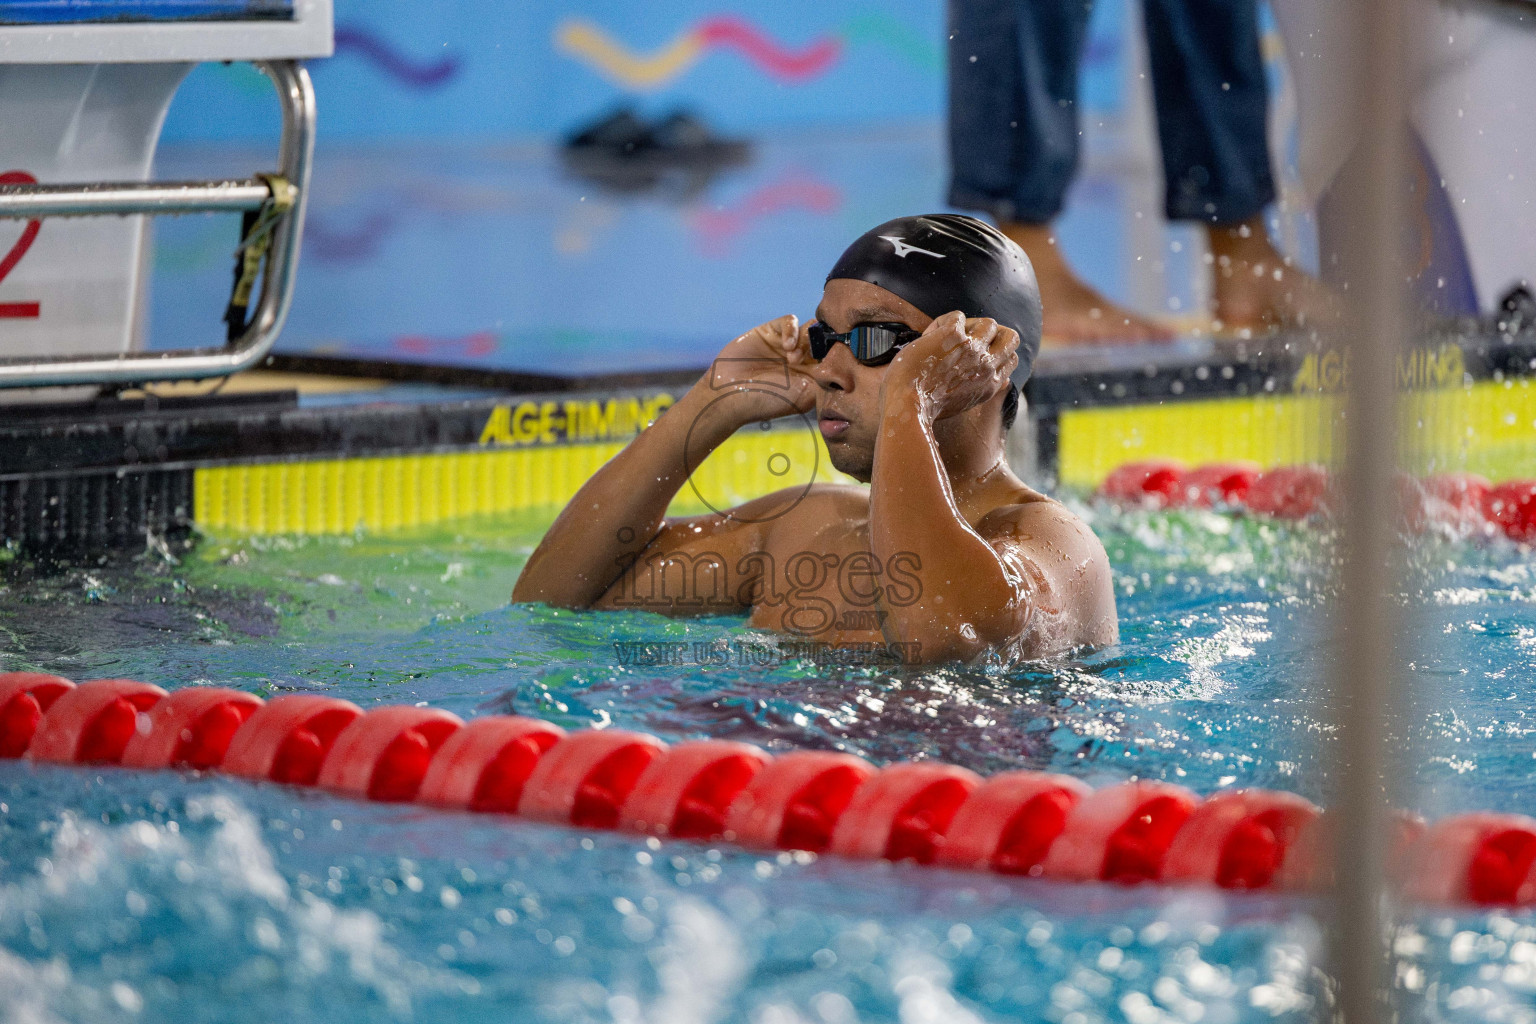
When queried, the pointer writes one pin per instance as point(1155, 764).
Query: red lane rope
point(1029, 823)
point(1461, 500)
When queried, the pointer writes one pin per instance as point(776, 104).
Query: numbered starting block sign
point(84, 90)
point(72, 284)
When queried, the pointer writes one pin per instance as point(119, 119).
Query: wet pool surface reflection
point(181, 897)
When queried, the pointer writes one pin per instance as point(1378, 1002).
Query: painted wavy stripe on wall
point(383, 55)
point(588, 42)
point(740, 34)
point(875, 27)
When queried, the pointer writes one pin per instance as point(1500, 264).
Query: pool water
point(169, 896)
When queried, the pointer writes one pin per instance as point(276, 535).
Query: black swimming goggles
point(871, 344)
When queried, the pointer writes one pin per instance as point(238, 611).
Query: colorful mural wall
point(445, 226)
point(475, 68)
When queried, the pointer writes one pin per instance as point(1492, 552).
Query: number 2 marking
point(19, 310)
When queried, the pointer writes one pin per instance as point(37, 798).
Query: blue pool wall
point(443, 227)
point(475, 69)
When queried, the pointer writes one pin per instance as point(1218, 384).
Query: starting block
point(84, 90)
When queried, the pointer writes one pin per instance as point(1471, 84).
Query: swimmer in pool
point(923, 325)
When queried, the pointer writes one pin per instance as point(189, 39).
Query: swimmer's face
point(848, 395)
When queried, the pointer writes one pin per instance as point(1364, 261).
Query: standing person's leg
point(1013, 136)
point(1208, 81)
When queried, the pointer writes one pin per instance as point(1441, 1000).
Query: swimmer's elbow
point(956, 648)
point(961, 638)
point(530, 592)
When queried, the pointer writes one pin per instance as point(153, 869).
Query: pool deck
point(292, 449)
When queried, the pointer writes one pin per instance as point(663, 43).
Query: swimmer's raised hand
point(762, 374)
point(958, 363)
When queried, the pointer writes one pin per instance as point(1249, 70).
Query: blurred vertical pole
point(1374, 331)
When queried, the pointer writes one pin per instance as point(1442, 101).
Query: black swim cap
point(941, 262)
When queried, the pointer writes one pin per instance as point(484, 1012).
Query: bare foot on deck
point(1256, 289)
point(1075, 314)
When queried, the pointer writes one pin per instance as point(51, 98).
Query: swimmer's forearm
point(966, 602)
point(621, 508)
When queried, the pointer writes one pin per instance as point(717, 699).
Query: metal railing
point(295, 152)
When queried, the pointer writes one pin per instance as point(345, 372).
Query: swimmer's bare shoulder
point(1065, 568)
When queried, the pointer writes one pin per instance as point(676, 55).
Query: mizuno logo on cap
point(902, 248)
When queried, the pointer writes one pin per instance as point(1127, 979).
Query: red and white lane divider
point(1461, 500)
point(1018, 823)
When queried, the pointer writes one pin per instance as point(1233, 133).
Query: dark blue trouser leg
point(1209, 86)
point(1013, 136)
